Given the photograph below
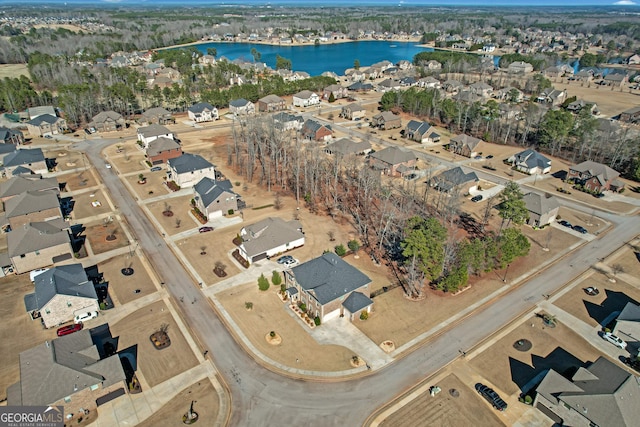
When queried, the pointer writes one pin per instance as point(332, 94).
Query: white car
point(107, 165)
point(618, 342)
point(82, 317)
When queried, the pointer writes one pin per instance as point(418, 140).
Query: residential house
point(329, 287)
point(452, 86)
point(552, 96)
point(38, 245)
point(24, 161)
point(632, 115)
point(242, 107)
point(353, 111)
point(421, 132)
point(464, 145)
point(616, 79)
point(628, 326)
point(403, 64)
point(146, 134)
point(509, 111)
point(158, 116)
point(346, 147)
point(531, 162)
point(580, 104)
point(316, 131)
point(20, 184)
point(202, 112)
point(107, 121)
point(285, 121)
point(161, 149)
point(188, 169)
point(558, 71)
point(360, 87)
point(542, 209)
point(481, 89)
point(408, 81)
point(633, 59)
point(271, 103)
point(386, 120)
point(488, 48)
point(305, 98)
point(455, 181)
point(207, 60)
point(520, 67)
point(602, 394)
point(11, 136)
point(269, 237)
point(595, 177)
point(393, 161)
point(60, 293)
point(46, 125)
point(433, 65)
point(584, 76)
point(6, 149)
point(67, 371)
point(429, 83)
point(388, 85)
point(337, 91)
point(40, 111)
point(215, 198)
point(32, 206)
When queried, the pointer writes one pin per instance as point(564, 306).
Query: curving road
point(263, 398)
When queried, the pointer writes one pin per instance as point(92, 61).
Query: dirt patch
point(180, 206)
point(170, 414)
point(444, 409)
point(105, 236)
point(131, 161)
point(122, 288)
point(156, 366)
point(78, 180)
point(154, 185)
point(298, 349)
point(557, 348)
point(89, 204)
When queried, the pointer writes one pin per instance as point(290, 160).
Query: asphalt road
point(263, 398)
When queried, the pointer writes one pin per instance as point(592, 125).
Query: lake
point(326, 57)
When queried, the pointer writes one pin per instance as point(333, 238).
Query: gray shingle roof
point(540, 204)
point(36, 235)
point(356, 302)
point(238, 103)
point(153, 130)
point(24, 157)
point(268, 234)
point(329, 277)
point(106, 115)
point(630, 312)
point(271, 99)
point(603, 172)
point(23, 183)
point(155, 112)
point(61, 280)
point(45, 118)
point(454, 177)
point(200, 107)
point(304, 94)
point(463, 140)
point(30, 202)
point(531, 159)
point(210, 189)
point(61, 367)
point(346, 146)
point(393, 155)
point(161, 144)
point(189, 163)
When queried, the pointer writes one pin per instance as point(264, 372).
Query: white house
point(242, 107)
point(270, 237)
point(188, 169)
point(202, 112)
point(146, 134)
point(305, 98)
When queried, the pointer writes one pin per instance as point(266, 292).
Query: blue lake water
point(326, 57)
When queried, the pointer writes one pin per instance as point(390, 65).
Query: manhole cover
point(522, 345)
point(453, 392)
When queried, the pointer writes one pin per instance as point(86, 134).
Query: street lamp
point(505, 273)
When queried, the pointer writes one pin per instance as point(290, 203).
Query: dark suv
point(492, 397)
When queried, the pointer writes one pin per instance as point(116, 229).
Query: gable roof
point(106, 115)
point(304, 94)
point(30, 202)
point(270, 233)
point(539, 204)
point(153, 130)
point(356, 301)
point(454, 177)
point(271, 99)
point(464, 140)
point(189, 163)
point(23, 183)
point(603, 172)
point(37, 235)
point(45, 118)
point(312, 126)
point(329, 277)
point(6, 134)
point(386, 116)
point(630, 313)
point(60, 280)
point(61, 367)
point(531, 159)
point(347, 146)
point(354, 106)
point(239, 103)
point(154, 112)
point(210, 189)
point(200, 107)
point(284, 117)
point(24, 157)
point(161, 144)
point(393, 155)
point(39, 111)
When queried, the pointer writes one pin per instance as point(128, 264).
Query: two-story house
point(107, 121)
point(421, 132)
point(595, 176)
point(271, 103)
point(316, 131)
point(269, 237)
point(215, 198)
point(39, 244)
point(146, 134)
point(188, 169)
point(531, 162)
point(46, 125)
point(242, 107)
point(305, 98)
point(156, 115)
point(386, 120)
point(393, 161)
point(29, 161)
point(32, 206)
point(202, 112)
point(161, 149)
point(353, 111)
point(464, 145)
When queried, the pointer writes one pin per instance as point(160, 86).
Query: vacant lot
point(297, 349)
point(89, 204)
point(132, 161)
point(180, 219)
point(156, 365)
point(77, 180)
point(556, 348)
point(104, 237)
point(153, 187)
point(121, 287)
point(170, 414)
point(18, 332)
point(465, 409)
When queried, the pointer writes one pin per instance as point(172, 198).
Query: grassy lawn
point(180, 206)
point(153, 187)
point(131, 161)
point(268, 314)
point(121, 288)
point(78, 180)
point(509, 369)
point(103, 238)
point(83, 208)
point(156, 365)
point(445, 410)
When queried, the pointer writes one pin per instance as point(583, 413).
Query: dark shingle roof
point(328, 277)
point(45, 118)
point(24, 157)
point(532, 159)
point(238, 103)
point(161, 144)
point(200, 107)
point(209, 189)
point(21, 184)
point(393, 155)
point(454, 177)
point(540, 204)
point(189, 163)
point(61, 280)
point(356, 302)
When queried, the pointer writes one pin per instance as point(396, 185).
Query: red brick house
point(162, 149)
point(316, 131)
point(393, 161)
point(595, 177)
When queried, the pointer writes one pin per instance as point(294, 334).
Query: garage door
point(259, 257)
point(334, 314)
point(109, 397)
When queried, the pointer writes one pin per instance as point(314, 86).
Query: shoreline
point(268, 43)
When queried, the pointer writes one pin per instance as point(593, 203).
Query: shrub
point(340, 250)
point(316, 320)
point(276, 279)
point(272, 334)
point(364, 315)
point(528, 400)
point(103, 306)
point(230, 212)
point(353, 245)
point(263, 283)
point(303, 307)
point(248, 305)
point(283, 287)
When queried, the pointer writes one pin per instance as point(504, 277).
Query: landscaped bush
point(230, 212)
point(364, 315)
point(199, 215)
point(263, 283)
point(173, 186)
point(303, 307)
point(341, 250)
point(316, 320)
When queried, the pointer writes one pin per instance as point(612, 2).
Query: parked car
point(107, 165)
point(490, 156)
point(491, 396)
point(565, 223)
point(204, 229)
point(476, 198)
point(580, 229)
point(155, 169)
point(48, 136)
point(69, 329)
point(617, 341)
point(478, 157)
point(283, 259)
point(290, 262)
point(598, 195)
point(83, 317)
